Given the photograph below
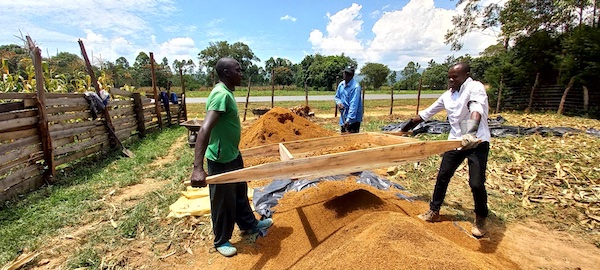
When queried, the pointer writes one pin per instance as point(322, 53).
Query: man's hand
point(340, 106)
point(198, 178)
point(346, 126)
point(469, 141)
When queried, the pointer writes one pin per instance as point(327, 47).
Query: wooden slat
point(69, 116)
point(64, 95)
point(16, 115)
point(19, 153)
point(18, 134)
point(18, 143)
point(12, 106)
point(338, 163)
point(55, 110)
point(128, 102)
point(77, 155)
point(284, 154)
point(67, 126)
point(79, 101)
point(16, 95)
point(20, 122)
point(22, 187)
point(121, 111)
point(70, 132)
point(81, 145)
point(21, 162)
point(270, 150)
point(19, 176)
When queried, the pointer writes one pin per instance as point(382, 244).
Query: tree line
point(556, 42)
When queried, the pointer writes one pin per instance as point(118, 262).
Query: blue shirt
point(349, 95)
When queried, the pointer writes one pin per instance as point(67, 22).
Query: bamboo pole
point(156, 102)
point(272, 88)
point(45, 137)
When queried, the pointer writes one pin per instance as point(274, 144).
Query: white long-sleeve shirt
point(459, 108)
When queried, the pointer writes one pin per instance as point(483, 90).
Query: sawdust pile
point(280, 125)
point(342, 225)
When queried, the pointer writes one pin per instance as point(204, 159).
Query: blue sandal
point(227, 249)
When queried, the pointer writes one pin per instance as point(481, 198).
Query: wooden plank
point(270, 150)
point(19, 153)
point(70, 132)
point(16, 115)
point(21, 162)
point(17, 95)
point(18, 143)
point(124, 103)
point(81, 145)
point(121, 111)
point(139, 114)
point(18, 134)
point(77, 155)
point(338, 163)
point(70, 116)
point(67, 126)
point(65, 95)
point(12, 106)
point(284, 154)
point(79, 101)
point(22, 187)
point(62, 109)
point(118, 91)
point(19, 122)
point(19, 176)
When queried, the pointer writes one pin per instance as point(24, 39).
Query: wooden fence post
point(167, 104)
point(272, 88)
point(537, 79)
point(419, 94)
point(183, 94)
point(499, 95)
point(107, 119)
point(45, 137)
point(138, 108)
point(156, 101)
point(337, 83)
point(586, 98)
point(247, 99)
point(391, 100)
point(561, 106)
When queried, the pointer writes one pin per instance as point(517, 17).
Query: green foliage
point(375, 74)
point(435, 76)
point(323, 72)
point(410, 77)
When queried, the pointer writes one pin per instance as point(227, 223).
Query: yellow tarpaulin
point(194, 202)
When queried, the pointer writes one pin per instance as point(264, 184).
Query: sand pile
point(345, 225)
point(280, 125)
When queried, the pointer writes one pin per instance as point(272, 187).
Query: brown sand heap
point(345, 225)
point(280, 125)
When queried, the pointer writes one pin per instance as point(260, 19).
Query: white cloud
point(341, 35)
point(288, 18)
point(181, 48)
point(413, 33)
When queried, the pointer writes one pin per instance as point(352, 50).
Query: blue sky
point(382, 31)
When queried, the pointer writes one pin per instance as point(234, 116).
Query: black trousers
point(229, 203)
point(477, 160)
point(352, 128)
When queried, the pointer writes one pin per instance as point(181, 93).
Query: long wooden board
point(338, 163)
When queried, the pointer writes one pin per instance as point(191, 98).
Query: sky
point(377, 31)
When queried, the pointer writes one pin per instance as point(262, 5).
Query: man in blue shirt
point(349, 102)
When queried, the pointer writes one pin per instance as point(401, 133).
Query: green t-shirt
point(225, 136)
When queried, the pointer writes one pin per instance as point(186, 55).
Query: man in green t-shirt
point(218, 140)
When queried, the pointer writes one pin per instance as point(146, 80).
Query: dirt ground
point(341, 224)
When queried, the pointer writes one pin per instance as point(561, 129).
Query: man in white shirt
point(466, 104)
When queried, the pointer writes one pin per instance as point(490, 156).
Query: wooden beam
point(156, 101)
point(284, 154)
point(338, 163)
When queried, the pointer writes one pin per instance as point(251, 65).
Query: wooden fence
point(72, 132)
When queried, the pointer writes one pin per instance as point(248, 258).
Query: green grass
point(76, 198)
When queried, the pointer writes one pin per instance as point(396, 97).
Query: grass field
point(103, 207)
